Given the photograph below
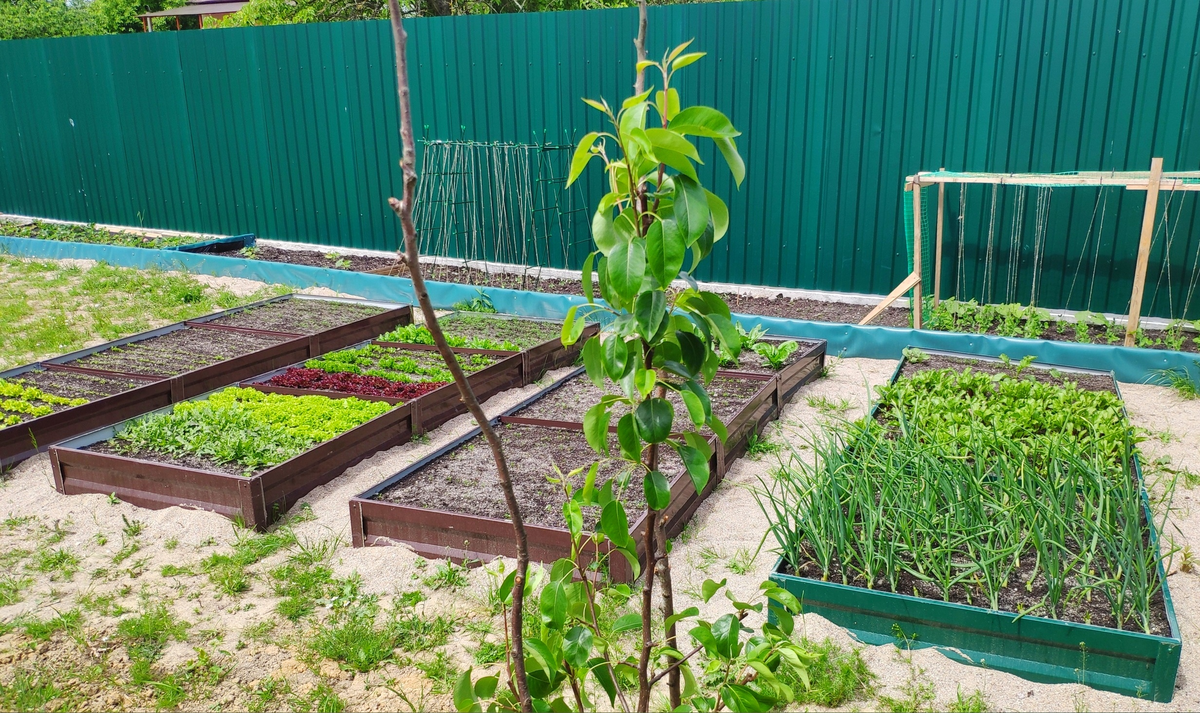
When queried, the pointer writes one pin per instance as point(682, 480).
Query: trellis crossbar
point(1151, 181)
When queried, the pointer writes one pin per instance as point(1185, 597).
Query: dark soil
point(570, 401)
point(1014, 598)
point(1087, 382)
point(464, 480)
point(750, 360)
point(778, 306)
point(525, 333)
point(297, 316)
point(178, 352)
point(77, 386)
point(183, 460)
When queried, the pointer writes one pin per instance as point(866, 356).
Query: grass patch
point(837, 676)
point(227, 571)
point(489, 652)
point(447, 575)
point(11, 587)
point(440, 671)
point(28, 692)
point(354, 638)
point(147, 634)
point(974, 703)
point(54, 308)
point(45, 630)
point(59, 564)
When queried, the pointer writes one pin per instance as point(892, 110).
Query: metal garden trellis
point(1152, 181)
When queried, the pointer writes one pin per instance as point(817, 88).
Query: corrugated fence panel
point(291, 132)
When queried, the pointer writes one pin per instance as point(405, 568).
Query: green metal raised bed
point(1036, 648)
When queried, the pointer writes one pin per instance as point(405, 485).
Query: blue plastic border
point(1129, 364)
point(233, 242)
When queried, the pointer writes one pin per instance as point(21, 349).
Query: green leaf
point(633, 117)
point(716, 305)
point(588, 493)
point(709, 588)
point(614, 522)
point(698, 391)
point(569, 335)
point(673, 141)
point(694, 407)
point(645, 64)
point(690, 208)
point(573, 514)
point(645, 379)
point(700, 443)
point(720, 215)
point(703, 121)
point(631, 445)
point(718, 427)
point(540, 653)
point(729, 337)
point(684, 60)
point(678, 50)
point(692, 350)
point(703, 634)
point(553, 604)
point(464, 694)
point(603, 231)
point(628, 622)
point(583, 154)
point(658, 490)
point(627, 267)
point(679, 616)
point(736, 165)
point(588, 287)
point(784, 618)
point(599, 669)
point(577, 645)
point(677, 161)
point(596, 105)
point(665, 248)
point(593, 361)
point(505, 590)
point(648, 312)
point(595, 427)
point(690, 687)
point(616, 356)
point(638, 98)
point(654, 418)
point(602, 279)
point(740, 699)
point(668, 104)
point(726, 630)
point(697, 466)
point(485, 687)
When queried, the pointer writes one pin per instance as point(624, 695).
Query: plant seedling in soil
point(479, 303)
point(1180, 380)
point(758, 445)
point(447, 575)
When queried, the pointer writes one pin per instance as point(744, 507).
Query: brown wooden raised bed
point(473, 538)
point(258, 500)
point(550, 354)
point(26, 439)
point(436, 407)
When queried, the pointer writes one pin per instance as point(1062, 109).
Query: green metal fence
point(290, 132)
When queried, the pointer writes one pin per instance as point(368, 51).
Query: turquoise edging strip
point(1131, 365)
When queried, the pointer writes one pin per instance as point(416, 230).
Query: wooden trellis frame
point(1152, 181)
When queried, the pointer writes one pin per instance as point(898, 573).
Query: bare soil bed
point(525, 333)
point(186, 460)
point(573, 399)
point(77, 386)
point(464, 480)
point(299, 316)
point(178, 352)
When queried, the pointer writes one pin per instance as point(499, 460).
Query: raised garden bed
point(488, 374)
point(301, 315)
point(252, 464)
point(172, 363)
point(1017, 536)
point(795, 366)
point(448, 504)
point(539, 341)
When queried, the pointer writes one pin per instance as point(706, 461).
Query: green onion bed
point(988, 489)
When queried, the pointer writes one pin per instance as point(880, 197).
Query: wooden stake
point(937, 249)
point(904, 286)
point(917, 256)
point(1143, 258)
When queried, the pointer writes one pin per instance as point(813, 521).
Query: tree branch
point(639, 42)
point(404, 210)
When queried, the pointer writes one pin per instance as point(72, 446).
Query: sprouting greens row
point(395, 365)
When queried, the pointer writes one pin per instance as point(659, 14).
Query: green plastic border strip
point(1129, 364)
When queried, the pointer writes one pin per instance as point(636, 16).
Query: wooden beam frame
point(1143, 258)
point(904, 286)
point(937, 250)
point(1131, 180)
point(917, 256)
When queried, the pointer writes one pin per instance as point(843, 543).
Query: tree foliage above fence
point(215, 131)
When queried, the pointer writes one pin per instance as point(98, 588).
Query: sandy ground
point(725, 534)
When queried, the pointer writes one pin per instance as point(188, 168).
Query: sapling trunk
point(404, 210)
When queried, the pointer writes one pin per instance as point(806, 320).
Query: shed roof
point(203, 8)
